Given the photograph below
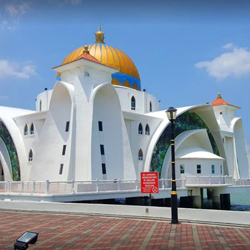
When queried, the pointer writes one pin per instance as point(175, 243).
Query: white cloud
point(18, 70)
point(17, 9)
point(228, 46)
point(73, 1)
point(63, 2)
point(12, 11)
point(4, 24)
point(235, 63)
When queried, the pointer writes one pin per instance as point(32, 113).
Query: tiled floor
point(63, 231)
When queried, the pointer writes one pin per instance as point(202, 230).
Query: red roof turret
point(219, 101)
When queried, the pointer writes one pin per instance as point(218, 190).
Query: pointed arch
point(147, 130)
point(133, 103)
point(32, 129)
point(31, 155)
point(140, 129)
point(25, 130)
point(40, 105)
point(140, 155)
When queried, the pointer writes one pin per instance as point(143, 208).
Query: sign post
point(149, 182)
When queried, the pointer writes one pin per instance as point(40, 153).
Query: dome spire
point(99, 35)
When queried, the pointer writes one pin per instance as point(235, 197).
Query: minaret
point(224, 112)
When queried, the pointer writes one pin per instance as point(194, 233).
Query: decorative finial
point(219, 95)
point(86, 49)
point(99, 35)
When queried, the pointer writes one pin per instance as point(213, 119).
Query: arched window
point(32, 129)
point(147, 130)
point(150, 106)
point(25, 131)
point(31, 155)
point(40, 105)
point(132, 103)
point(140, 129)
point(140, 155)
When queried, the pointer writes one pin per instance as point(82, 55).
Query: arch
point(5, 162)
point(25, 131)
point(184, 122)
point(147, 130)
point(31, 155)
point(150, 106)
point(106, 109)
point(61, 100)
point(11, 149)
point(32, 129)
point(140, 155)
point(133, 103)
point(60, 111)
point(140, 129)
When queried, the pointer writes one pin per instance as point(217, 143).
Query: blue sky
point(186, 51)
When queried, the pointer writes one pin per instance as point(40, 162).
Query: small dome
point(127, 76)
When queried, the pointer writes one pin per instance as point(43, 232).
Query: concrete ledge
point(236, 218)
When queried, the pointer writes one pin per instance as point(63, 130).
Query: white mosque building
point(96, 123)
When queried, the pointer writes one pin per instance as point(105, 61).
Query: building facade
point(96, 123)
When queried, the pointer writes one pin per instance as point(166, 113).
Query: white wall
point(241, 151)
point(86, 87)
point(224, 115)
point(191, 167)
point(142, 98)
point(140, 141)
point(230, 156)
point(44, 98)
point(30, 140)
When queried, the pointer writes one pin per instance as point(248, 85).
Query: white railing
point(96, 186)
point(68, 187)
point(209, 180)
point(242, 182)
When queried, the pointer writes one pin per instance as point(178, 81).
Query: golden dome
point(128, 74)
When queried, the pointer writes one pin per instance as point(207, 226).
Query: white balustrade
point(116, 185)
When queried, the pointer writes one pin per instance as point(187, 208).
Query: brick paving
point(67, 231)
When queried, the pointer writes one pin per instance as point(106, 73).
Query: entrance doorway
point(1, 172)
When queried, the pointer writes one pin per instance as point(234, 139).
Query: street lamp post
point(171, 113)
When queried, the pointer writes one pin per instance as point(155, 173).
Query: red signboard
point(149, 182)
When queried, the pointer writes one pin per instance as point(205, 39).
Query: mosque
point(96, 123)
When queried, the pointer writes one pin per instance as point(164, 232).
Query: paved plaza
point(67, 231)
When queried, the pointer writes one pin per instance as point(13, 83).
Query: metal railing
point(117, 185)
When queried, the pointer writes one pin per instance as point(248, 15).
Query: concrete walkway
point(71, 231)
point(163, 213)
